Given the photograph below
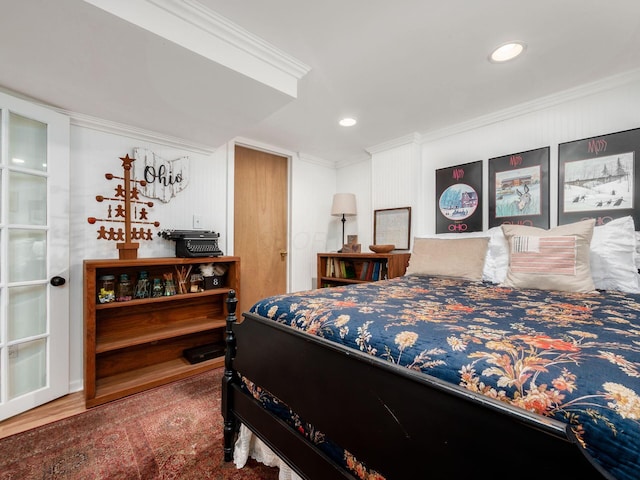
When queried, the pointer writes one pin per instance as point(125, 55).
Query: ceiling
point(403, 67)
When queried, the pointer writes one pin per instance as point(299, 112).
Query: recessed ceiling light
point(507, 52)
point(348, 122)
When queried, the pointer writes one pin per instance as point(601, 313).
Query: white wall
point(591, 110)
point(312, 187)
point(356, 179)
point(95, 153)
point(398, 167)
point(400, 174)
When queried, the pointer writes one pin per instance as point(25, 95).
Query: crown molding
point(542, 103)
point(107, 126)
point(215, 24)
point(354, 161)
point(304, 157)
point(581, 91)
point(414, 138)
point(115, 128)
point(199, 29)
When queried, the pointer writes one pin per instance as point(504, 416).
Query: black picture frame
point(519, 189)
point(459, 198)
point(598, 177)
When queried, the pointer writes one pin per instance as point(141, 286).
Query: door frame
point(230, 225)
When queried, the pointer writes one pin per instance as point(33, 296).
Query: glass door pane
point(27, 312)
point(27, 199)
point(27, 367)
point(34, 315)
point(28, 146)
point(27, 255)
point(26, 236)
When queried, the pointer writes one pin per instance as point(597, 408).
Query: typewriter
point(194, 243)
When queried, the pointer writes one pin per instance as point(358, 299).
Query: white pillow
point(496, 263)
point(614, 257)
point(638, 250)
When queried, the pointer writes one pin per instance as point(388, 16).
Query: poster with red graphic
point(459, 198)
point(519, 189)
point(597, 178)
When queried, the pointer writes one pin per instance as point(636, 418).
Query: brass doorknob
point(283, 253)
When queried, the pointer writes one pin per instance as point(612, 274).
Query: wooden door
point(260, 219)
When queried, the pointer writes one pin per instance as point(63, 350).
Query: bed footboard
point(229, 378)
point(402, 423)
point(238, 407)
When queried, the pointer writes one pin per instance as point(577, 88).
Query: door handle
point(283, 253)
point(57, 281)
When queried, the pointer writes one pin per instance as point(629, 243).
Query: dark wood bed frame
point(401, 423)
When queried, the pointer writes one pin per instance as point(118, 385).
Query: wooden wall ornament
point(125, 207)
point(163, 179)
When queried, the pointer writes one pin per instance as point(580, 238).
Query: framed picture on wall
point(519, 189)
point(598, 178)
point(459, 198)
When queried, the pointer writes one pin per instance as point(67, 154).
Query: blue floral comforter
point(573, 357)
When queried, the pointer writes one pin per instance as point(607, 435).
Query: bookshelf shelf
point(139, 344)
point(346, 268)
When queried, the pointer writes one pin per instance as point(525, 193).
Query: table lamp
point(344, 204)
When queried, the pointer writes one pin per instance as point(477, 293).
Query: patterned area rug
point(170, 432)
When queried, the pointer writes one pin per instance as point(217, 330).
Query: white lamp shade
point(344, 204)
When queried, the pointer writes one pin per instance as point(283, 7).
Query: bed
point(453, 369)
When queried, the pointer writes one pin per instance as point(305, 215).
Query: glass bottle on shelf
point(157, 290)
point(106, 288)
point(169, 287)
point(124, 289)
point(142, 286)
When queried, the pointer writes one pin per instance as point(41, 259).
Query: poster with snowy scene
point(598, 177)
point(459, 198)
point(519, 189)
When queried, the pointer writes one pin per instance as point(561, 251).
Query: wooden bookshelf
point(138, 344)
point(344, 268)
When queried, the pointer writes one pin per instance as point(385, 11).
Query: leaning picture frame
point(598, 178)
point(392, 226)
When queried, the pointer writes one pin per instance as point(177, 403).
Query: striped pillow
point(544, 255)
point(555, 259)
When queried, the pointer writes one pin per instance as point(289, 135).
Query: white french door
point(34, 255)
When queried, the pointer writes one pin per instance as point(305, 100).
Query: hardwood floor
point(58, 409)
